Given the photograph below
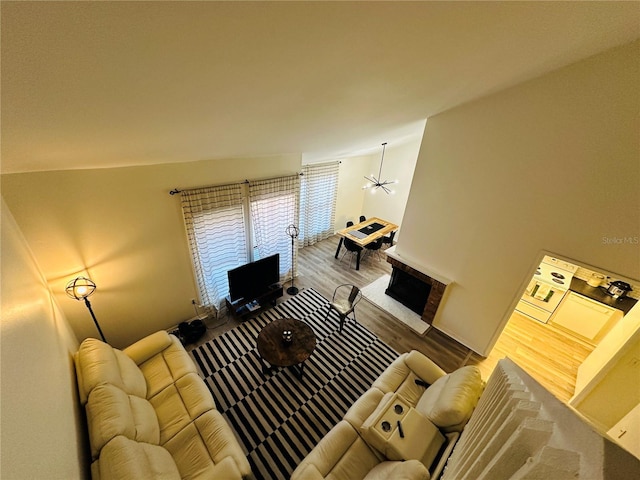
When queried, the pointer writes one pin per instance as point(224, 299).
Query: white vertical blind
point(318, 192)
point(215, 224)
point(274, 206)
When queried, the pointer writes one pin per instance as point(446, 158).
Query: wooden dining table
point(364, 233)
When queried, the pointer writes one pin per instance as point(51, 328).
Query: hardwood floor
point(549, 355)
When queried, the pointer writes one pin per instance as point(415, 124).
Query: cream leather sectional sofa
point(151, 416)
point(361, 446)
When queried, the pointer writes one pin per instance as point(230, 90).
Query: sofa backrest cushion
point(126, 459)
point(164, 368)
point(98, 363)
point(393, 376)
point(341, 454)
point(363, 407)
point(112, 412)
point(450, 401)
point(149, 346)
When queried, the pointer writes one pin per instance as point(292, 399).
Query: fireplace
point(408, 290)
point(416, 290)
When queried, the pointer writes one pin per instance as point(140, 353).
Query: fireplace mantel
point(437, 282)
point(391, 252)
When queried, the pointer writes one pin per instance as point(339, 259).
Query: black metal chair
point(374, 247)
point(352, 248)
point(362, 218)
point(389, 239)
point(344, 301)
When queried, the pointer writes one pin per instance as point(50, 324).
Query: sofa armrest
point(147, 347)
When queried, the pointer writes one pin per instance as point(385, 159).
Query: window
point(218, 228)
point(274, 206)
point(318, 192)
point(215, 223)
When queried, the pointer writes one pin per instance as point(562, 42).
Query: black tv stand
point(245, 307)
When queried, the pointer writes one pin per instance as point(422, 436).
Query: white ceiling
point(106, 84)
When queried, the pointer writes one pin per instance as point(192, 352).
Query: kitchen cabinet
point(586, 318)
point(599, 294)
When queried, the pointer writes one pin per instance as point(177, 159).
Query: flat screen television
point(253, 279)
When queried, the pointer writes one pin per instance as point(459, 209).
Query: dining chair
point(344, 301)
point(352, 248)
point(362, 218)
point(389, 239)
point(374, 247)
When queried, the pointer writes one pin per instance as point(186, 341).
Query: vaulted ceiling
point(106, 84)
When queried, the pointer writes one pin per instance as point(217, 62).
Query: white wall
point(350, 201)
point(608, 349)
point(551, 164)
point(42, 432)
point(121, 227)
point(399, 164)
point(608, 372)
point(618, 381)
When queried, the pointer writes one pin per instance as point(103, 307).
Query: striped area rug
point(279, 418)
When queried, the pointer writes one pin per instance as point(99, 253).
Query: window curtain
point(274, 206)
point(214, 220)
point(318, 192)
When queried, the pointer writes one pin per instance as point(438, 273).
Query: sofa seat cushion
point(126, 459)
point(408, 470)
point(180, 403)
point(166, 366)
point(203, 444)
point(112, 412)
point(340, 455)
point(450, 401)
point(98, 363)
point(400, 376)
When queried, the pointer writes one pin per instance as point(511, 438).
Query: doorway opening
point(552, 335)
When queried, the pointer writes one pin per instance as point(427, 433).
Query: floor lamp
point(292, 231)
point(80, 288)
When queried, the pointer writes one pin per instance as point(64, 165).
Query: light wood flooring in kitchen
point(545, 352)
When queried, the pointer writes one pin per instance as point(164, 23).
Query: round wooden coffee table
point(274, 350)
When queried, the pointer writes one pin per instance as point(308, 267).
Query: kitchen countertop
point(599, 294)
